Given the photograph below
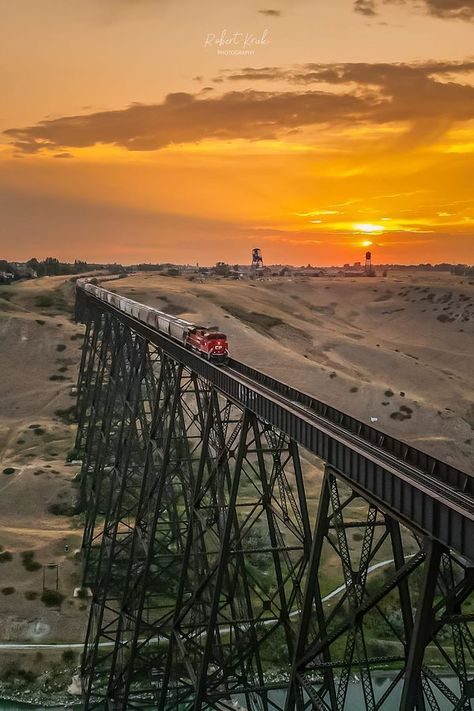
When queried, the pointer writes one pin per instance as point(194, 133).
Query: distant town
point(11, 271)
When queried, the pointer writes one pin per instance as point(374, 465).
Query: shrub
point(40, 322)
point(27, 675)
point(38, 431)
point(61, 508)
point(72, 455)
point(52, 598)
point(5, 557)
point(44, 301)
point(354, 389)
point(57, 377)
point(389, 393)
point(9, 470)
point(68, 416)
point(31, 594)
point(60, 347)
point(68, 656)
point(83, 594)
point(29, 563)
point(8, 591)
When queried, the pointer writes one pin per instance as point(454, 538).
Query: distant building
point(23, 270)
point(6, 277)
point(311, 272)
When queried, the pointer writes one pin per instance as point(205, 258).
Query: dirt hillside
point(398, 349)
point(39, 356)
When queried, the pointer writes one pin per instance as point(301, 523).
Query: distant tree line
point(51, 266)
point(457, 269)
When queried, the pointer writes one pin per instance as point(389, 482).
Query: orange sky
point(170, 130)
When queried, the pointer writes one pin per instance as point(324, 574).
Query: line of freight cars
point(209, 343)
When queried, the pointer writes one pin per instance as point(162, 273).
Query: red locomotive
point(209, 343)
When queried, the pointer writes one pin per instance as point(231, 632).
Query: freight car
point(209, 343)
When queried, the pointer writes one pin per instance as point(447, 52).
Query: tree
point(222, 269)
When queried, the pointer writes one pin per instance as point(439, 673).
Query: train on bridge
point(208, 342)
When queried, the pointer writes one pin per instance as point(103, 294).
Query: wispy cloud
point(270, 13)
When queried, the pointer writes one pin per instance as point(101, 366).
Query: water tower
point(257, 261)
point(368, 263)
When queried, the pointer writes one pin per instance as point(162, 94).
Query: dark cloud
point(446, 9)
point(365, 7)
point(182, 118)
point(270, 13)
point(428, 96)
point(457, 9)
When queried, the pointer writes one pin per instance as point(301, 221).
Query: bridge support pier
point(333, 647)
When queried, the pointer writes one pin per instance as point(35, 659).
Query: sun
point(366, 243)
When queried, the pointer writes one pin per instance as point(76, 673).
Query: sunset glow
point(368, 228)
point(185, 154)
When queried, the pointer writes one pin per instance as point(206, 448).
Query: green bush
point(60, 347)
point(5, 557)
point(68, 656)
point(9, 470)
point(31, 594)
point(52, 598)
point(8, 591)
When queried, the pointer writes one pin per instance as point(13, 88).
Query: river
point(354, 700)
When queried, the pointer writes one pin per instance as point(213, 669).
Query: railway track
point(377, 454)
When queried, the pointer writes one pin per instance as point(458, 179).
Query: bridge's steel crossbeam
point(198, 546)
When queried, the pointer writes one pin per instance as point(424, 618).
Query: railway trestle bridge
point(249, 546)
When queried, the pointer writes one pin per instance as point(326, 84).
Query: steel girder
point(209, 588)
